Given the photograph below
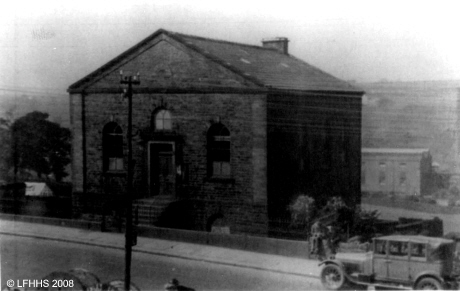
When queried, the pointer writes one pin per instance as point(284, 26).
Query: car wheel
point(428, 284)
point(332, 277)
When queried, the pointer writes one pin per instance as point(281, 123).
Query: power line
point(35, 92)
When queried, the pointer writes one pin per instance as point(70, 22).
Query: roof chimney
point(278, 43)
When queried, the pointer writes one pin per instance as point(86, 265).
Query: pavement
point(168, 248)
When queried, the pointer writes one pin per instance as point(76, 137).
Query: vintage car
point(395, 261)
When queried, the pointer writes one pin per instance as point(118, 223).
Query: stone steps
point(149, 210)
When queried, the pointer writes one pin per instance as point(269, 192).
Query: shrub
point(302, 211)
point(454, 191)
point(392, 197)
point(61, 188)
point(335, 204)
point(441, 193)
point(429, 200)
point(452, 201)
point(337, 214)
point(412, 198)
point(365, 224)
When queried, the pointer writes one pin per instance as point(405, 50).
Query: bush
point(429, 200)
point(344, 219)
point(442, 193)
point(392, 197)
point(454, 191)
point(60, 188)
point(335, 204)
point(365, 224)
point(344, 216)
point(412, 198)
point(302, 211)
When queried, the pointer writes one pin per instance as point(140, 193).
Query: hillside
point(413, 114)
point(395, 114)
point(57, 106)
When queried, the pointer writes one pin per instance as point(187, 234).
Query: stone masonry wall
point(167, 64)
point(315, 139)
point(242, 199)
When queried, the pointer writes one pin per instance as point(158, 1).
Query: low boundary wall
point(290, 248)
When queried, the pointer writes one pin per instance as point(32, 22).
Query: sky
point(45, 46)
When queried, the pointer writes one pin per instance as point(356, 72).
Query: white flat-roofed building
point(395, 170)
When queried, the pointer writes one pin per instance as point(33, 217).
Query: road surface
point(32, 259)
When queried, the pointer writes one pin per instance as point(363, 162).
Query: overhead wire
point(311, 111)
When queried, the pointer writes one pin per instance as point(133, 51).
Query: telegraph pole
point(129, 239)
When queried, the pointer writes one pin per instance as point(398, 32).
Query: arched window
point(218, 140)
point(162, 120)
point(112, 147)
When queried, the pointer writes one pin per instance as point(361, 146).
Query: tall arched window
point(218, 140)
point(112, 147)
point(162, 120)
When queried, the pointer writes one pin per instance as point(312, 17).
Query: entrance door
point(162, 168)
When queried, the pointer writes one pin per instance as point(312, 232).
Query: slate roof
point(265, 67)
point(270, 67)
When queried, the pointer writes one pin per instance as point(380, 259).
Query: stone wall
point(276, 143)
point(316, 140)
point(241, 199)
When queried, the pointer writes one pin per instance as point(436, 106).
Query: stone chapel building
point(223, 132)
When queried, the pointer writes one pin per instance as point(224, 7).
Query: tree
point(6, 161)
point(40, 145)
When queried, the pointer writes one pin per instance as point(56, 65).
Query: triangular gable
point(90, 78)
point(163, 62)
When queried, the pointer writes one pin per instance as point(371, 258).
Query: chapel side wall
point(314, 149)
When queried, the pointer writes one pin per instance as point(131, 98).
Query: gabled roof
point(270, 67)
point(265, 67)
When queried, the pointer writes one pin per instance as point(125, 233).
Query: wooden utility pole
point(129, 239)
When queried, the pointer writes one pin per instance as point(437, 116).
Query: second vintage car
point(396, 261)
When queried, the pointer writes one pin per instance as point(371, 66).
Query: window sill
point(227, 180)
